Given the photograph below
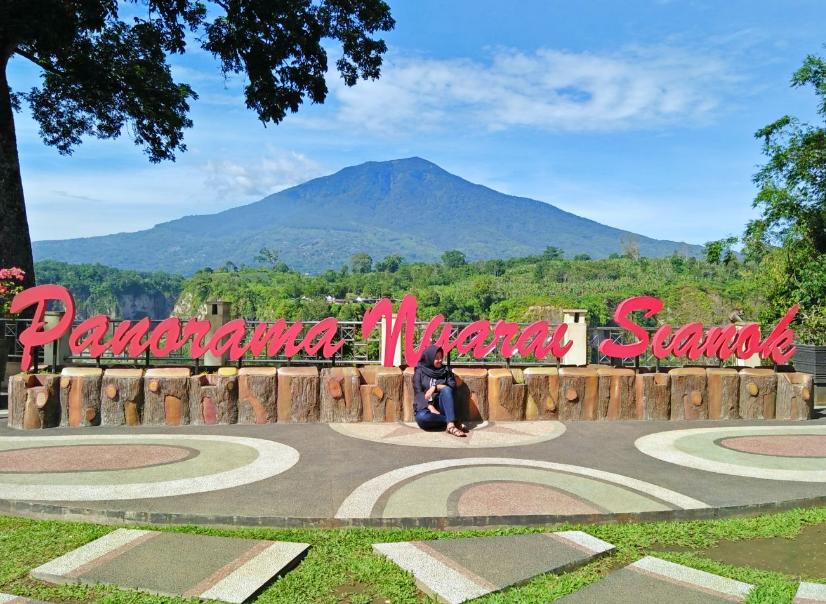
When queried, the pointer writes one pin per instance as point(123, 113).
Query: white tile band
point(691, 576)
point(68, 563)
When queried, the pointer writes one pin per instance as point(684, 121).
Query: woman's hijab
point(426, 363)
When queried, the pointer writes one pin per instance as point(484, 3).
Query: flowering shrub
point(11, 283)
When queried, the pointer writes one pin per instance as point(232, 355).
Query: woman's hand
point(441, 386)
point(430, 392)
point(433, 409)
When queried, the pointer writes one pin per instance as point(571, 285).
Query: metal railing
point(597, 335)
point(10, 330)
point(354, 351)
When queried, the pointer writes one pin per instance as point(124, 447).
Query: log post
point(506, 398)
point(298, 394)
point(257, 395)
point(616, 393)
point(472, 394)
point(34, 402)
point(381, 393)
point(795, 396)
point(340, 394)
point(80, 396)
point(121, 400)
point(758, 389)
point(543, 393)
point(578, 393)
point(653, 396)
point(688, 393)
point(723, 389)
point(408, 396)
point(213, 397)
point(166, 396)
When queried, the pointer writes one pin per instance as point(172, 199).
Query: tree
point(453, 259)
point(361, 262)
point(790, 235)
point(390, 264)
point(102, 73)
point(720, 252)
point(267, 256)
point(582, 257)
point(553, 253)
point(630, 247)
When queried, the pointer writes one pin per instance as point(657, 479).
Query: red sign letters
point(479, 338)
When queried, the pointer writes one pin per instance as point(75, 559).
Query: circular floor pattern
point(794, 453)
point(481, 436)
point(492, 486)
point(210, 463)
point(90, 458)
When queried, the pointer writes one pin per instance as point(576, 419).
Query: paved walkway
point(389, 474)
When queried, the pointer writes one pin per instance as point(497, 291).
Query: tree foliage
point(789, 238)
point(105, 69)
point(453, 258)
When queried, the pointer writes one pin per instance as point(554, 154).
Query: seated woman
point(433, 387)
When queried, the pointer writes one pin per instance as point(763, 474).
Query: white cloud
point(554, 90)
point(269, 174)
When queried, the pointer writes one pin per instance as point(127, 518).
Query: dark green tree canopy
point(792, 183)
point(102, 72)
point(105, 69)
point(789, 238)
point(453, 258)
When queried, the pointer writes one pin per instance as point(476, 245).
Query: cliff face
point(154, 306)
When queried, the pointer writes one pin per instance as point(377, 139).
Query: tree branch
point(39, 62)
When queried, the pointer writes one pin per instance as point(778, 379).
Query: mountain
point(408, 206)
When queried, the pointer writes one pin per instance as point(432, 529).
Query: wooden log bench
point(298, 394)
point(121, 397)
point(542, 401)
point(506, 396)
point(166, 396)
point(758, 391)
point(653, 396)
point(795, 396)
point(578, 393)
point(472, 393)
point(213, 397)
point(381, 393)
point(688, 393)
point(80, 396)
point(341, 394)
point(257, 395)
point(34, 401)
point(617, 397)
point(723, 390)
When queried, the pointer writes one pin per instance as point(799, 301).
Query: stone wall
point(172, 396)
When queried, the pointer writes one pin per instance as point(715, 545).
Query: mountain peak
point(408, 206)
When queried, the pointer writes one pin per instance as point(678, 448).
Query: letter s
point(651, 306)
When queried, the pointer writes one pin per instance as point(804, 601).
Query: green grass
point(341, 567)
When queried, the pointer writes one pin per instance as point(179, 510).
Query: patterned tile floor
point(369, 473)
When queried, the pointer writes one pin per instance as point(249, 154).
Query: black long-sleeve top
point(421, 383)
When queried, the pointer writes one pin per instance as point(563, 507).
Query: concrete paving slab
point(652, 580)
point(12, 599)
point(456, 570)
point(176, 564)
point(810, 593)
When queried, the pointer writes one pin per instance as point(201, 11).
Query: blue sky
point(638, 114)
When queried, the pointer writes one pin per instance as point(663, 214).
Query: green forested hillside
point(516, 289)
point(99, 289)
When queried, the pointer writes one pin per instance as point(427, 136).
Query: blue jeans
point(443, 401)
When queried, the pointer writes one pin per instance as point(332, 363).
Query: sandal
point(456, 432)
